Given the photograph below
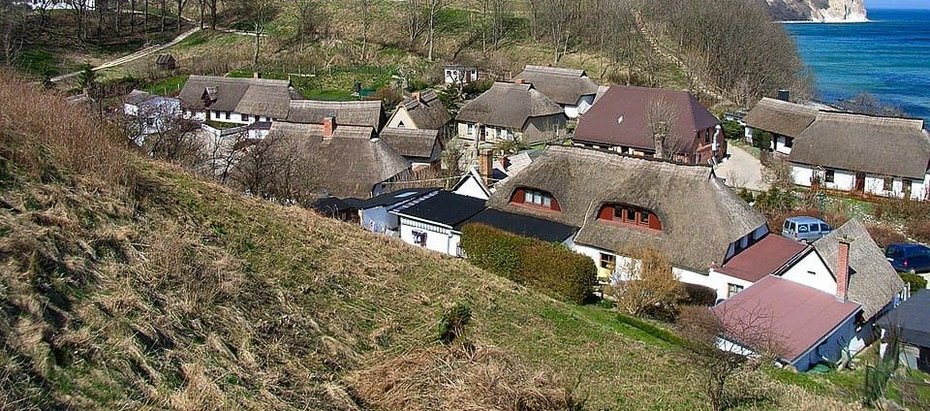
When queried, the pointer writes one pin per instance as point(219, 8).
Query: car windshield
point(824, 227)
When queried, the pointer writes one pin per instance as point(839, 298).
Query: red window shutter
point(555, 205)
point(607, 213)
point(654, 222)
point(519, 196)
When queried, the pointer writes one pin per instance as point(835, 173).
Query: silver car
point(805, 229)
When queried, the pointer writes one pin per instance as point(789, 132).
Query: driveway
point(741, 170)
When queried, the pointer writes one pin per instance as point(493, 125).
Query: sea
point(888, 57)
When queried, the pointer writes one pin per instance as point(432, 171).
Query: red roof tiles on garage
point(763, 258)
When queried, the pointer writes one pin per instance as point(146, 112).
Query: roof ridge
point(576, 150)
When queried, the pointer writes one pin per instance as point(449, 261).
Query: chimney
point(485, 165)
point(329, 126)
point(784, 95)
point(256, 75)
point(518, 81)
point(842, 270)
point(415, 96)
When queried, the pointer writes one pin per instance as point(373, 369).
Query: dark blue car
point(909, 257)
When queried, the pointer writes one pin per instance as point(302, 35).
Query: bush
point(746, 195)
point(915, 281)
point(920, 231)
point(905, 210)
point(453, 322)
point(699, 295)
point(732, 130)
point(762, 140)
point(884, 236)
point(550, 268)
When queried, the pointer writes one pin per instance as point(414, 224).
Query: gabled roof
point(136, 97)
point(350, 113)
point(442, 208)
point(427, 112)
point(784, 315)
point(879, 145)
point(872, 281)
point(763, 258)
point(564, 86)
point(351, 163)
point(781, 117)
point(523, 225)
point(413, 143)
point(911, 318)
point(700, 215)
point(602, 123)
point(164, 59)
point(242, 95)
point(394, 198)
point(508, 105)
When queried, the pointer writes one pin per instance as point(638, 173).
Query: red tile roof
point(601, 123)
point(762, 258)
point(784, 315)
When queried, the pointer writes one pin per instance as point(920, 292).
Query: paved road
point(134, 56)
point(741, 170)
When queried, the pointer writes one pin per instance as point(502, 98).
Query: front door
point(860, 182)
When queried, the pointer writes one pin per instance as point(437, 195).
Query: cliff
point(826, 11)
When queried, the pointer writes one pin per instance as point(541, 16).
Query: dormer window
point(535, 198)
point(630, 215)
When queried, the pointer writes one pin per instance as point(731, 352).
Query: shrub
point(650, 287)
point(550, 268)
point(746, 195)
point(699, 295)
point(915, 281)
point(919, 230)
point(732, 130)
point(453, 322)
point(762, 140)
point(906, 210)
point(884, 235)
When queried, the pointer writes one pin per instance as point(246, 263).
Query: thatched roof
point(872, 281)
point(508, 105)
point(350, 113)
point(427, 112)
point(413, 143)
point(136, 97)
point(621, 118)
point(857, 142)
point(241, 95)
point(352, 163)
point(564, 86)
point(780, 117)
point(700, 216)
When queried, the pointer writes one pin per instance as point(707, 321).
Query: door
point(860, 182)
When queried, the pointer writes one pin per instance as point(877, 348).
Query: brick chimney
point(842, 270)
point(329, 126)
point(518, 81)
point(416, 96)
point(485, 165)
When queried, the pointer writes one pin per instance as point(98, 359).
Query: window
point(227, 115)
point(471, 130)
point(644, 217)
point(706, 136)
point(802, 228)
point(812, 272)
point(732, 289)
point(888, 184)
point(608, 261)
point(538, 198)
point(829, 176)
point(632, 215)
point(419, 238)
point(789, 142)
point(824, 228)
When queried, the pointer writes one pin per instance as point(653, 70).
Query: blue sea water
point(888, 57)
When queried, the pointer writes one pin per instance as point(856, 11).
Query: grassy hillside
point(126, 283)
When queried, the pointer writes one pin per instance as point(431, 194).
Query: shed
point(166, 62)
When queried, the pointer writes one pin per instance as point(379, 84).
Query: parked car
point(909, 257)
point(805, 229)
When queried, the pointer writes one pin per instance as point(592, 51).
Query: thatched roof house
point(886, 146)
point(351, 113)
point(259, 97)
point(508, 105)
point(352, 162)
point(780, 117)
point(421, 110)
point(682, 210)
point(416, 145)
point(561, 85)
point(872, 281)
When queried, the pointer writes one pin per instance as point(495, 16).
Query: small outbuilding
point(166, 62)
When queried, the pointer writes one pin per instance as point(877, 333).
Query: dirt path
point(148, 51)
point(742, 170)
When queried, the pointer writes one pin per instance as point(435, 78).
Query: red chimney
point(329, 125)
point(485, 165)
point(415, 96)
point(842, 270)
point(518, 81)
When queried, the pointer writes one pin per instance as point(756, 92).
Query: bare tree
point(434, 7)
point(645, 281)
point(701, 328)
point(12, 25)
point(280, 168)
point(556, 19)
point(312, 16)
point(661, 116)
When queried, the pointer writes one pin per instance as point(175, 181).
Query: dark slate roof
point(394, 198)
point(350, 113)
point(912, 317)
point(330, 205)
point(442, 208)
point(413, 143)
point(241, 95)
point(879, 145)
point(785, 315)
point(524, 225)
point(765, 257)
point(700, 216)
point(601, 124)
point(164, 59)
point(564, 86)
point(780, 117)
point(508, 105)
point(872, 281)
point(427, 111)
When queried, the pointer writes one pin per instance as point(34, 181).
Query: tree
point(645, 282)
point(12, 25)
point(256, 14)
point(557, 20)
point(434, 7)
point(661, 117)
point(701, 327)
point(311, 16)
point(280, 168)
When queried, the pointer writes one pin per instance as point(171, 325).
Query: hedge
point(917, 282)
point(547, 267)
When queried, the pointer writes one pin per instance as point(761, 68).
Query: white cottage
point(433, 221)
point(235, 101)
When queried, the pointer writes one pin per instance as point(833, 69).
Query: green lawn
point(168, 86)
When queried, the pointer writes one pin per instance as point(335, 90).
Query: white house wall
point(781, 146)
point(812, 272)
point(379, 220)
point(573, 111)
point(720, 283)
point(438, 239)
point(472, 188)
point(683, 275)
point(401, 119)
point(842, 180)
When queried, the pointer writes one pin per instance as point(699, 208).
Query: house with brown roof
point(623, 202)
point(785, 121)
point(572, 89)
point(350, 161)
point(422, 111)
point(627, 119)
point(235, 100)
point(422, 148)
point(365, 113)
point(510, 111)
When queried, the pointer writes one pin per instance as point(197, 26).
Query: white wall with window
point(812, 272)
point(537, 198)
point(430, 236)
point(833, 179)
point(620, 263)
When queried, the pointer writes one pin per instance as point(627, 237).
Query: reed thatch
point(564, 86)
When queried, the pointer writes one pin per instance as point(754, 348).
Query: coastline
point(863, 20)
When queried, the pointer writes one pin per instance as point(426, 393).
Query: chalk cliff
point(827, 11)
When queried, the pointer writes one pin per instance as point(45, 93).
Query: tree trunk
point(258, 45)
point(212, 14)
point(145, 19)
point(180, 12)
point(202, 5)
point(163, 14)
point(132, 16)
point(119, 16)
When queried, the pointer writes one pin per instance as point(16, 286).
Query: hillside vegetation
point(127, 283)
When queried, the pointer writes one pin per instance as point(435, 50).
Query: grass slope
point(131, 284)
